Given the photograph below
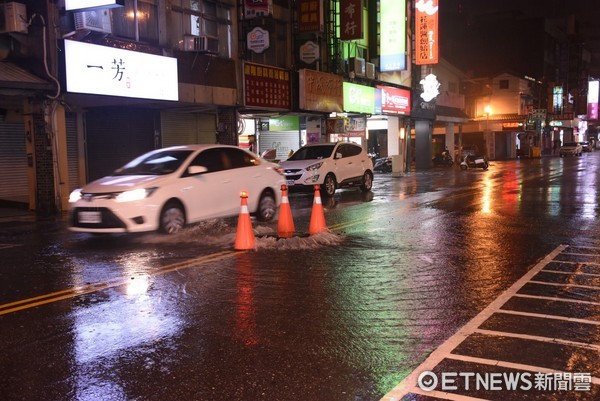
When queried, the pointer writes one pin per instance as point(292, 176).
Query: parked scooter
point(442, 159)
point(383, 165)
point(474, 161)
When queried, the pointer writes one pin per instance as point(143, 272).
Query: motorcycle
point(474, 161)
point(383, 165)
point(442, 159)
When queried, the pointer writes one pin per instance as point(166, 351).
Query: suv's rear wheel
point(172, 218)
point(367, 182)
point(329, 185)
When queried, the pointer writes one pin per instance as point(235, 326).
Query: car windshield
point(155, 163)
point(313, 152)
point(570, 144)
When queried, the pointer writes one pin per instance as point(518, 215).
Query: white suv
point(330, 165)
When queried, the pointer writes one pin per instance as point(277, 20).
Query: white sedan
point(168, 188)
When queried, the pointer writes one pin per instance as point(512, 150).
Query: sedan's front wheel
point(172, 218)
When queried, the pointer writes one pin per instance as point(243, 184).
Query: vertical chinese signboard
point(266, 87)
point(593, 92)
point(310, 16)
point(351, 19)
point(426, 32)
point(392, 43)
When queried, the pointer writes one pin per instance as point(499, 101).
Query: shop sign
point(102, 70)
point(511, 126)
point(310, 16)
point(359, 98)
point(257, 8)
point(394, 100)
point(351, 19)
point(320, 91)
point(258, 40)
point(426, 32)
point(393, 35)
point(290, 123)
point(266, 86)
point(593, 89)
point(309, 52)
point(82, 5)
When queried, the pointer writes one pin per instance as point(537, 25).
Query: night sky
point(485, 37)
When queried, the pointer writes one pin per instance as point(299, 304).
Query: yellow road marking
point(102, 285)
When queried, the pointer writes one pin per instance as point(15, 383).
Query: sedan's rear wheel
point(328, 186)
point(172, 218)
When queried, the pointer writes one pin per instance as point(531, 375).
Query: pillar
point(423, 138)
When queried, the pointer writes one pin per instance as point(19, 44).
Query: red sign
point(351, 19)
point(258, 8)
point(426, 30)
point(266, 86)
point(310, 16)
point(394, 100)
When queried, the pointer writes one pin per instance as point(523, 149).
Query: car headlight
point(134, 195)
point(75, 196)
point(314, 167)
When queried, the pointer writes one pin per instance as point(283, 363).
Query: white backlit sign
point(102, 70)
point(431, 87)
point(89, 4)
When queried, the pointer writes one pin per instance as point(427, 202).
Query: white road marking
point(589, 287)
point(409, 384)
point(543, 316)
point(576, 301)
point(552, 340)
point(571, 273)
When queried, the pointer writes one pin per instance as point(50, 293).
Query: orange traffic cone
point(244, 238)
point(285, 225)
point(317, 215)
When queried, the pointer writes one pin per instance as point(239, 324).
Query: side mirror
point(195, 170)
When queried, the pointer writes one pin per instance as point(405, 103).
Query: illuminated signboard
point(359, 98)
point(393, 35)
point(91, 4)
point(512, 125)
point(351, 19)
point(426, 32)
point(102, 70)
point(394, 100)
point(557, 94)
point(266, 86)
point(593, 88)
point(257, 8)
point(310, 16)
point(320, 91)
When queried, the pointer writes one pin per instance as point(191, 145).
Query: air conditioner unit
point(205, 44)
point(370, 70)
point(13, 17)
point(95, 20)
point(357, 66)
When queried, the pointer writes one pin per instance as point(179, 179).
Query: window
point(209, 20)
point(504, 84)
point(238, 158)
point(212, 159)
point(123, 22)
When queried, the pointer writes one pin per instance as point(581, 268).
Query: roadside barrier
point(244, 238)
point(285, 225)
point(317, 215)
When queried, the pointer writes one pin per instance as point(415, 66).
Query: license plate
point(89, 217)
point(291, 182)
point(478, 161)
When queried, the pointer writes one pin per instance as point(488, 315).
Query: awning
point(14, 77)
point(450, 114)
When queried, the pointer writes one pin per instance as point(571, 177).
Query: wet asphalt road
point(345, 315)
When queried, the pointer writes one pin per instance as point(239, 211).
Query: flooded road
point(343, 315)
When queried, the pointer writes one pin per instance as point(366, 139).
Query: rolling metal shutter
point(14, 184)
point(72, 151)
point(187, 128)
point(283, 141)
